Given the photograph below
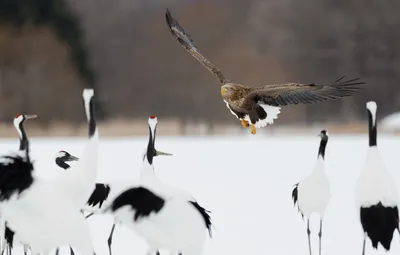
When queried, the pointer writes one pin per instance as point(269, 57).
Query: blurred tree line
point(51, 49)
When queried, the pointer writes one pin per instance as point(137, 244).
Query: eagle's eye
point(224, 90)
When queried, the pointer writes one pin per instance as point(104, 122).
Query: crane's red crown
point(16, 116)
point(152, 117)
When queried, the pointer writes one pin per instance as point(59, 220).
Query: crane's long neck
point(372, 129)
point(322, 147)
point(61, 163)
point(23, 140)
point(150, 146)
point(148, 169)
point(87, 167)
point(90, 153)
point(92, 127)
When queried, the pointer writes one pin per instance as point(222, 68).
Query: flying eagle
point(260, 105)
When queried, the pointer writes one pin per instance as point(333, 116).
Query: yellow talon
point(253, 129)
point(245, 124)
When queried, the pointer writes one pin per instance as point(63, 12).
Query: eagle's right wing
point(296, 93)
point(184, 39)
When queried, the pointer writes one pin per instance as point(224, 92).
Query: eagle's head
point(229, 90)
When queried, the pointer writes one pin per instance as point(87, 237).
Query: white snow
point(246, 181)
point(391, 122)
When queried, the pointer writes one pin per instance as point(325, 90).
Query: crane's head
point(18, 122)
point(152, 138)
point(20, 118)
point(152, 122)
point(323, 135)
point(65, 156)
point(372, 107)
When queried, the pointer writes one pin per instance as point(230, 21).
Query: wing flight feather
point(296, 93)
point(184, 39)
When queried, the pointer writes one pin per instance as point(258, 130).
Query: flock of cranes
point(376, 193)
point(43, 214)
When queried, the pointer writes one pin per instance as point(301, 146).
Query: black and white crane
point(376, 193)
point(46, 213)
point(101, 192)
point(98, 196)
point(63, 157)
point(18, 122)
point(312, 194)
point(165, 217)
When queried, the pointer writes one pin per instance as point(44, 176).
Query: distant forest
point(51, 49)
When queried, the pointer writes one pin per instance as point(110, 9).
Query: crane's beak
point(33, 116)
point(160, 153)
point(72, 158)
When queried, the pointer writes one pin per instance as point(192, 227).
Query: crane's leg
point(320, 235)
point(157, 252)
point(4, 247)
point(363, 249)
point(109, 241)
point(308, 234)
point(57, 251)
point(71, 251)
point(89, 215)
point(25, 250)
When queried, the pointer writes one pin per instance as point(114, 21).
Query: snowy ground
point(245, 181)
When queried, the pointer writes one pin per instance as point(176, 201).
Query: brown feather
point(243, 100)
point(184, 39)
point(295, 93)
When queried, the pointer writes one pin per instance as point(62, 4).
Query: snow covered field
point(245, 181)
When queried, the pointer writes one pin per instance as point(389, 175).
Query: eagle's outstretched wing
point(188, 43)
point(294, 93)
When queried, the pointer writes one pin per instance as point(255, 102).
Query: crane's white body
point(177, 227)
point(46, 220)
point(314, 191)
point(375, 184)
